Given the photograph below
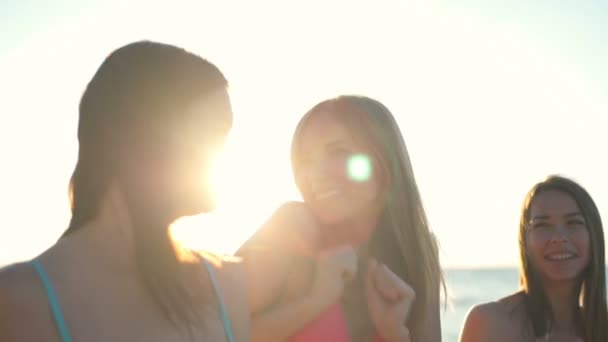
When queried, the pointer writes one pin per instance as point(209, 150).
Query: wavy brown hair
point(593, 319)
point(402, 238)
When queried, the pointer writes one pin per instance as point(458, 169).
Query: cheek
point(337, 170)
point(369, 190)
point(582, 243)
point(365, 196)
point(534, 249)
point(332, 170)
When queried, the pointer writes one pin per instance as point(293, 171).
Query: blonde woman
point(356, 261)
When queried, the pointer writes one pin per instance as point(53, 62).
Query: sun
point(247, 187)
point(214, 231)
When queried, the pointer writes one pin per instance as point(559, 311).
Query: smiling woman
point(563, 274)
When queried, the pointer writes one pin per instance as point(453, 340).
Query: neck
point(106, 241)
point(564, 301)
point(355, 232)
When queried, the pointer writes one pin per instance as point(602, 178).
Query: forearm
point(286, 319)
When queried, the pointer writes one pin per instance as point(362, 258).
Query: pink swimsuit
point(330, 326)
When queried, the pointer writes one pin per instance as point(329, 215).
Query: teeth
point(560, 256)
point(326, 194)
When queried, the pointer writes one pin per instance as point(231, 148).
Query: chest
point(351, 311)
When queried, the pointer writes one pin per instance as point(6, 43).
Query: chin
point(327, 218)
point(566, 274)
point(329, 213)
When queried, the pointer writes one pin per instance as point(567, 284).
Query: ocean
point(467, 287)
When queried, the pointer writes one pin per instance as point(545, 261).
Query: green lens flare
point(359, 168)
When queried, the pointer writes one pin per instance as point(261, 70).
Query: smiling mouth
point(563, 256)
point(319, 196)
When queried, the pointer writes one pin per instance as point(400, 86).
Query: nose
point(320, 170)
point(560, 234)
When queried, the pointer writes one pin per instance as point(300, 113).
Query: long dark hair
point(402, 240)
point(593, 320)
point(127, 115)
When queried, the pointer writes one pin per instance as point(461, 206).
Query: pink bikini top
point(329, 326)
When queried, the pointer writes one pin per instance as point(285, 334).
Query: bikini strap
point(53, 302)
point(220, 301)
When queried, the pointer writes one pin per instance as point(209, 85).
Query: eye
point(576, 223)
point(541, 229)
point(540, 225)
point(340, 152)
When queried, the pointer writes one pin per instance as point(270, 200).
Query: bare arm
point(279, 262)
point(273, 251)
point(265, 275)
point(307, 301)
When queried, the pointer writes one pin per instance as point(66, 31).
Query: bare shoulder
point(274, 251)
point(291, 226)
point(231, 278)
point(493, 321)
point(22, 305)
point(512, 305)
point(11, 275)
point(18, 283)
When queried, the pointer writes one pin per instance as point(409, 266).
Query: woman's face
point(335, 172)
point(557, 238)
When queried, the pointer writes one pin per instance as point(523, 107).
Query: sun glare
point(247, 187)
point(208, 231)
point(359, 167)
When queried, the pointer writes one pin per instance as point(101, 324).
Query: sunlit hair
point(127, 115)
point(402, 239)
point(593, 321)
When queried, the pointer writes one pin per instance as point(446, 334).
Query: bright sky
point(490, 96)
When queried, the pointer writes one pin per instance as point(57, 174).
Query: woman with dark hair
point(356, 261)
point(150, 121)
point(563, 273)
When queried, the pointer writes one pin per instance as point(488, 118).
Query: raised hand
point(390, 300)
point(335, 268)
